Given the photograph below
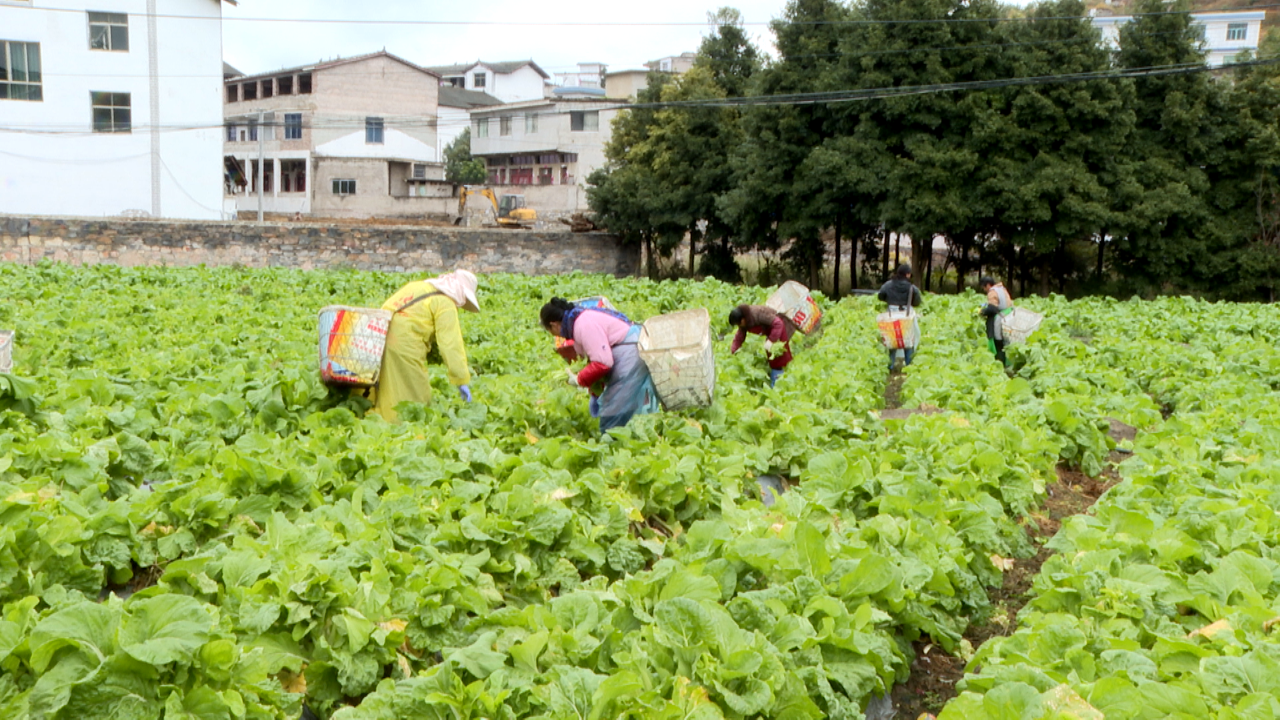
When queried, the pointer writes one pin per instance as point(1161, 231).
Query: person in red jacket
point(776, 329)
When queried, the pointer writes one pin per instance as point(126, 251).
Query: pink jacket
point(595, 334)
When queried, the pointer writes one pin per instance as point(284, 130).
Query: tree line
point(1037, 151)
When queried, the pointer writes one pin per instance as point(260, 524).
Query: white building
point(508, 81)
point(111, 107)
point(588, 75)
point(546, 147)
point(1225, 34)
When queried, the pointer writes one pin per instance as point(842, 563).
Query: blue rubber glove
point(594, 406)
point(465, 392)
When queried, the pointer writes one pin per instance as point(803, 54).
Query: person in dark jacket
point(776, 329)
point(901, 296)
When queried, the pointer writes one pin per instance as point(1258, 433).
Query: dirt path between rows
point(934, 672)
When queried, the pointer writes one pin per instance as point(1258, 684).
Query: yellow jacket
point(435, 318)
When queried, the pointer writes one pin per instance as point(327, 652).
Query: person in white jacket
point(999, 303)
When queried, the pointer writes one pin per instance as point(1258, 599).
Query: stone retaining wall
point(387, 248)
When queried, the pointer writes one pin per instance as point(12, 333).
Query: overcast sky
point(491, 30)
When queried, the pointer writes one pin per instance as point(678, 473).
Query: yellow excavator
point(509, 212)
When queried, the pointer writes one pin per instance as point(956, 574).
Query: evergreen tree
point(1166, 221)
point(459, 167)
point(1052, 154)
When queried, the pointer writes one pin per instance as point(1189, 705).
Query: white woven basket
point(1019, 324)
point(6, 351)
point(677, 349)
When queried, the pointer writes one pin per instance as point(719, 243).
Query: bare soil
point(934, 672)
point(893, 409)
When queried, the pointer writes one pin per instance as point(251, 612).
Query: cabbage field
point(192, 526)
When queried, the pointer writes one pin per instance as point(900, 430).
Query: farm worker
point(608, 340)
point(775, 328)
point(901, 295)
point(999, 303)
point(425, 311)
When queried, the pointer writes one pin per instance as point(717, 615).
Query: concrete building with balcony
point(353, 137)
point(545, 148)
point(1225, 35)
point(111, 108)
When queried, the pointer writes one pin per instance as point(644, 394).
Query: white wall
point(523, 84)
point(1218, 48)
point(396, 144)
point(452, 122)
point(57, 165)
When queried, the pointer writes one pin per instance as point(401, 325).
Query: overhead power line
point(839, 96)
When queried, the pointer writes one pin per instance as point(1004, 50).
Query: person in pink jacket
point(607, 339)
point(775, 328)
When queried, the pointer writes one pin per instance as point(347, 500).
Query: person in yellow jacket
point(425, 311)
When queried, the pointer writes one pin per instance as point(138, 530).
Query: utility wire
point(837, 96)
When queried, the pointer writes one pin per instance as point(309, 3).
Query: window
point(231, 133)
point(584, 121)
point(1197, 32)
point(344, 187)
point(419, 171)
point(253, 131)
point(373, 130)
point(666, 66)
point(111, 112)
point(109, 31)
point(504, 125)
point(304, 84)
point(268, 88)
point(482, 127)
point(20, 71)
point(284, 85)
point(458, 82)
point(293, 126)
point(530, 124)
point(233, 93)
point(250, 91)
point(1237, 31)
point(293, 176)
point(477, 80)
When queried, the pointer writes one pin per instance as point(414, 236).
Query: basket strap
point(417, 300)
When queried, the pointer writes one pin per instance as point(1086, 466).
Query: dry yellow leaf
point(562, 494)
point(405, 668)
point(293, 683)
point(1005, 564)
point(1266, 626)
point(1212, 630)
point(396, 625)
point(533, 439)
